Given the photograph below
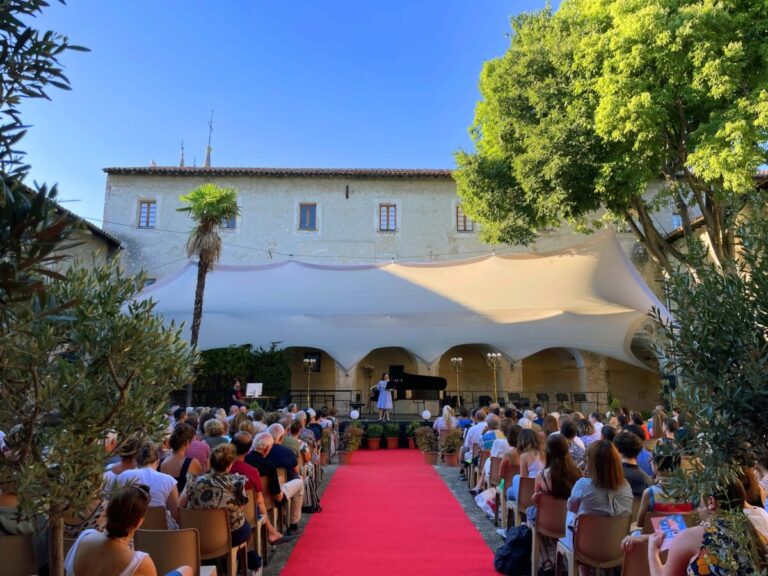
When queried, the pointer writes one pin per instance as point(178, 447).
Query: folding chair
point(155, 519)
point(524, 499)
point(258, 524)
point(510, 473)
point(215, 537)
point(18, 555)
point(550, 522)
point(596, 543)
point(170, 549)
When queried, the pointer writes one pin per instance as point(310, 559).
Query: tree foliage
point(717, 345)
point(593, 106)
point(219, 367)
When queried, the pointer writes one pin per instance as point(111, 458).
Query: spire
point(209, 149)
point(181, 161)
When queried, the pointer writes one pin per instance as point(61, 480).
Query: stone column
point(597, 379)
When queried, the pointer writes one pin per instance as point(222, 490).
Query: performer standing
point(385, 398)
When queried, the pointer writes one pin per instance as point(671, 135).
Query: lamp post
point(309, 365)
point(493, 359)
point(458, 364)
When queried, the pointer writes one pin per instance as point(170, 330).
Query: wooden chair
point(524, 499)
point(596, 543)
point(550, 522)
point(18, 555)
point(258, 524)
point(509, 474)
point(494, 479)
point(155, 519)
point(270, 505)
point(471, 471)
point(484, 455)
point(635, 562)
point(170, 549)
point(650, 444)
point(215, 537)
point(282, 477)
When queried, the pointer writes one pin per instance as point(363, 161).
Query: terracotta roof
point(95, 230)
point(285, 172)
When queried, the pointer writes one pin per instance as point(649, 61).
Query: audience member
point(531, 463)
point(162, 487)
point(577, 452)
point(178, 464)
point(95, 554)
point(629, 446)
point(447, 421)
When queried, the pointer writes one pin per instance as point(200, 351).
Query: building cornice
point(386, 173)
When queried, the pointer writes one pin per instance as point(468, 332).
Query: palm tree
point(208, 205)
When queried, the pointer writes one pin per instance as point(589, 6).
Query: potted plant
point(325, 446)
point(373, 436)
point(392, 434)
point(409, 431)
point(453, 442)
point(426, 440)
point(350, 442)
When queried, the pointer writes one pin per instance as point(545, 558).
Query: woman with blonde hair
point(447, 421)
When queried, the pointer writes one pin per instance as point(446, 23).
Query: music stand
point(579, 397)
point(561, 397)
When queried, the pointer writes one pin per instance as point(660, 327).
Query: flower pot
point(323, 458)
point(411, 443)
point(345, 457)
point(392, 443)
point(430, 458)
point(451, 459)
point(373, 443)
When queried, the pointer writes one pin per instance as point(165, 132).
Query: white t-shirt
point(160, 484)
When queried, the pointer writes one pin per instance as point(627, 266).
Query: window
point(463, 222)
point(677, 221)
point(387, 217)
point(147, 213)
point(229, 222)
point(307, 216)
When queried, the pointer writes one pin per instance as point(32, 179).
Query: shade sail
point(588, 297)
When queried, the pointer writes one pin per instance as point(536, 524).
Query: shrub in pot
point(453, 442)
point(373, 436)
point(350, 442)
point(392, 434)
point(409, 431)
point(426, 440)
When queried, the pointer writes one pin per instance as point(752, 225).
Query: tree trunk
point(197, 314)
point(56, 544)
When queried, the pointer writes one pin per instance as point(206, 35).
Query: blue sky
point(292, 83)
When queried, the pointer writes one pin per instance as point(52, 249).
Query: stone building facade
point(353, 216)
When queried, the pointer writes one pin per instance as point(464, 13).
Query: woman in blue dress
point(385, 398)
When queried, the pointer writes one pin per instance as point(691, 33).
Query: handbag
point(514, 556)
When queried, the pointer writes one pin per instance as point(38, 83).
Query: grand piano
point(413, 392)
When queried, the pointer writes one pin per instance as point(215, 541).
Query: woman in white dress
point(384, 403)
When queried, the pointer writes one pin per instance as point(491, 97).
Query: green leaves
point(596, 105)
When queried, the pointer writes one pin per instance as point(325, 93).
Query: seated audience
point(292, 490)
point(178, 464)
point(644, 458)
point(655, 497)
point(608, 432)
point(219, 488)
point(629, 446)
point(127, 452)
point(162, 487)
point(531, 463)
point(447, 421)
point(510, 460)
point(198, 449)
point(242, 443)
point(96, 554)
point(215, 433)
point(604, 492)
point(587, 432)
point(577, 452)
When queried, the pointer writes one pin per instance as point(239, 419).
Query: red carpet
point(389, 514)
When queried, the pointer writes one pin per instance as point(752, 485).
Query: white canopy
point(588, 297)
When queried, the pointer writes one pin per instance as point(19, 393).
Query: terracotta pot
point(323, 458)
point(392, 443)
point(451, 459)
point(411, 443)
point(430, 458)
point(373, 443)
point(345, 457)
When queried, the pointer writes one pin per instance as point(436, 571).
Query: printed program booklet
point(670, 525)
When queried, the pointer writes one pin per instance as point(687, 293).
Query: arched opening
point(551, 372)
point(378, 361)
point(475, 377)
point(634, 387)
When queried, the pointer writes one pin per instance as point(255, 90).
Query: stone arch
point(554, 370)
point(476, 377)
point(378, 360)
point(323, 379)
